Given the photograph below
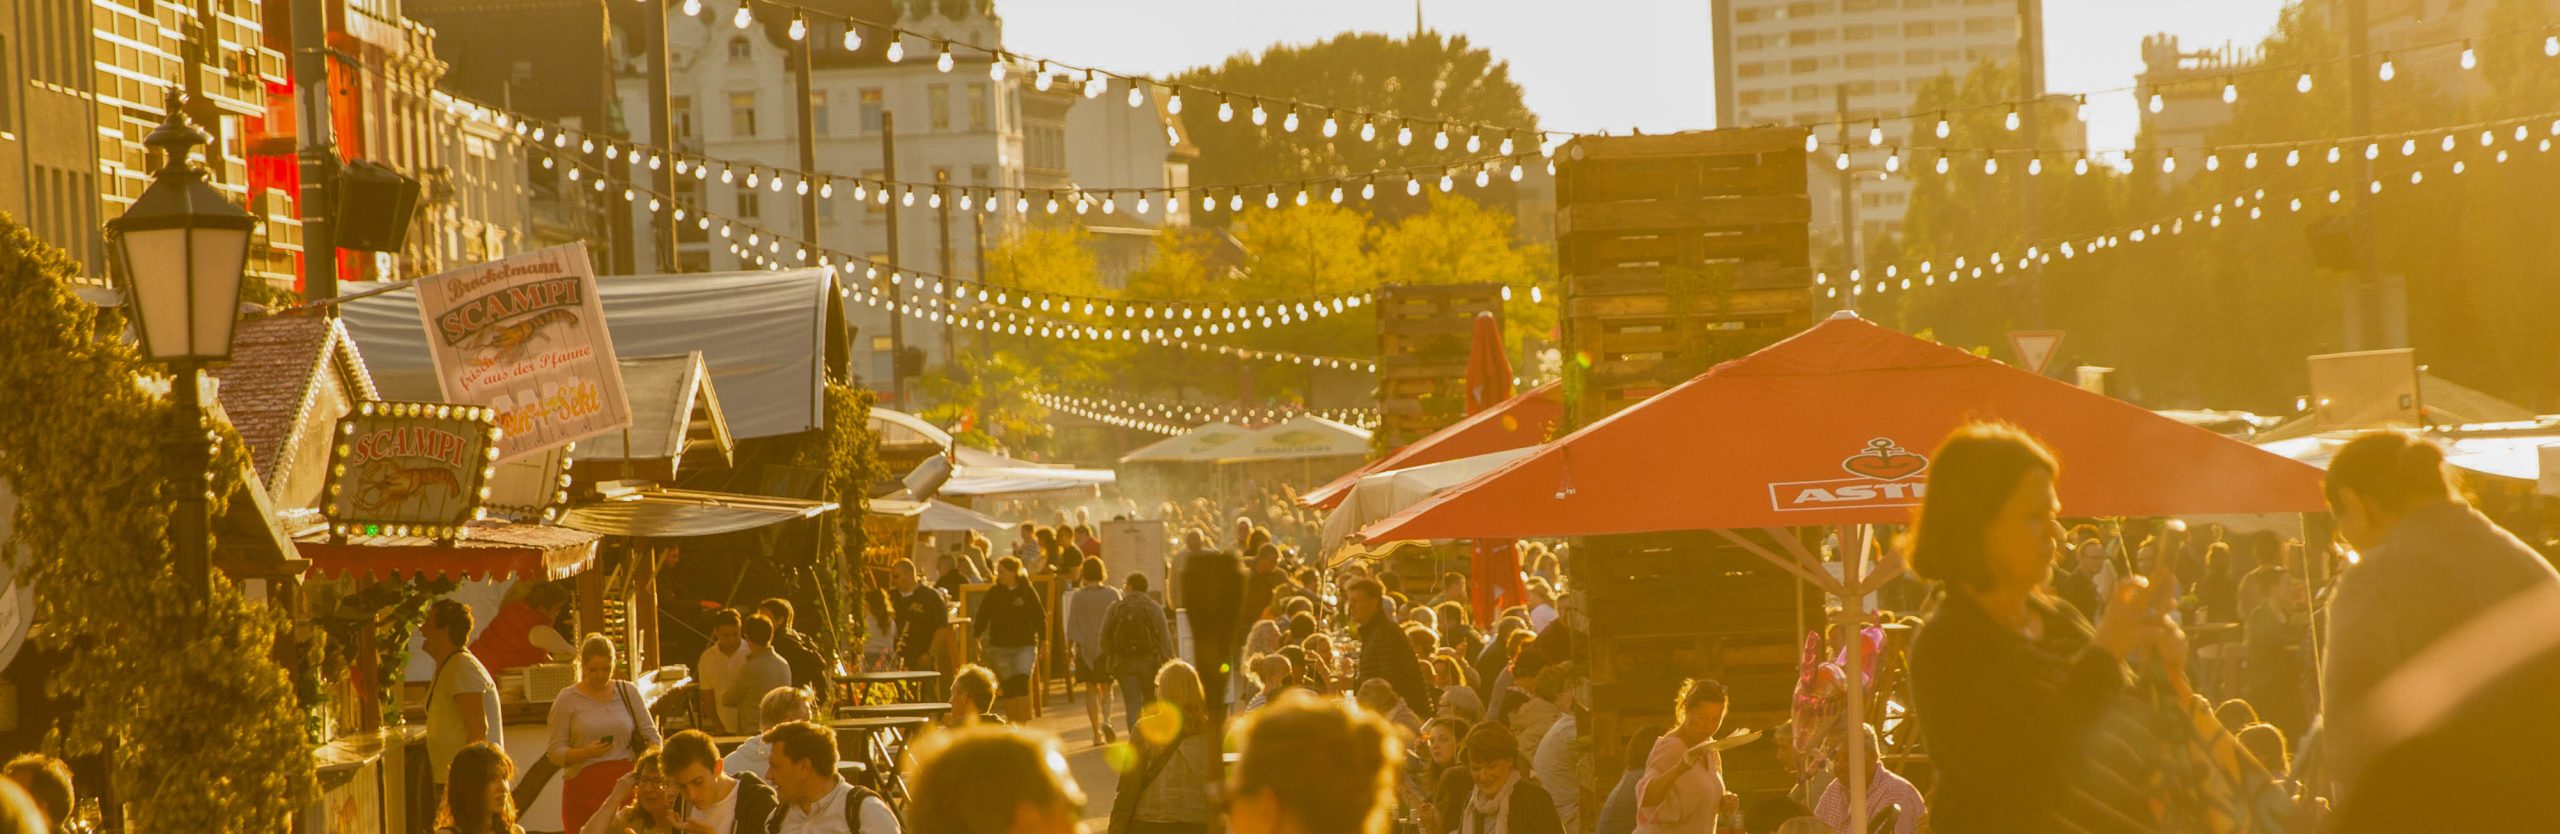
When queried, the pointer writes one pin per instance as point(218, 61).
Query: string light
point(745, 15)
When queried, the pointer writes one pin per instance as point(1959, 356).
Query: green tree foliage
point(198, 720)
point(2221, 312)
point(1426, 76)
point(987, 403)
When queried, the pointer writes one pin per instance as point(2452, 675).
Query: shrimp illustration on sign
point(505, 345)
point(387, 486)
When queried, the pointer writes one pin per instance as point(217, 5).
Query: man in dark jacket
point(924, 614)
point(1384, 651)
point(808, 665)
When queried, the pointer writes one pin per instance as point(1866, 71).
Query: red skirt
point(582, 794)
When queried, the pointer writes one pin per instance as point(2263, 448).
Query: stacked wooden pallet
point(1423, 336)
point(1678, 252)
point(1668, 606)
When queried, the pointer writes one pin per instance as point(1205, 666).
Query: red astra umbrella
point(1522, 421)
point(1833, 427)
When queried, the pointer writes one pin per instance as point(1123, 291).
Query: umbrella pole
point(1851, 604)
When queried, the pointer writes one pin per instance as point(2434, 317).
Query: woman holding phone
point(598, 727)
point(1682, 790)
point(2023, 702)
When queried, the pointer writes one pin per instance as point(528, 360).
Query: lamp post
point(184, 248)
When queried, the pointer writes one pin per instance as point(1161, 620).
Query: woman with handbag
point(1178, 760)
point(598, 727)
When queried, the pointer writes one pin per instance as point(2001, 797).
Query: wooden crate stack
point(1678, 251)
point(1668, 606)
point(1423, 336)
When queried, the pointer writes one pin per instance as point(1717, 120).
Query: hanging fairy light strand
point(2208, 158)
point(2251, 205)
point(1197, 413)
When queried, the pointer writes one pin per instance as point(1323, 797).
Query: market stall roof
point(273, 381)
point(982, 473)
point(1297, 438)
point(1197, 445)
point(2442, 401)
point(1834, 426)
point(680, 513)
point(494, 550)
point(1380, 494)
point(2525, 451)
point(1519, 422)
point(676, 423)
point(767, 337)
point(897, 428)
point(934, 516)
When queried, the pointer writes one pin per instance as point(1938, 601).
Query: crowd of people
point(2099, 676)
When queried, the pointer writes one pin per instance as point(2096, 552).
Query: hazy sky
point(1592, 64)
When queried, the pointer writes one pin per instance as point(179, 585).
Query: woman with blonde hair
point(1177, 749)
point(599, 726)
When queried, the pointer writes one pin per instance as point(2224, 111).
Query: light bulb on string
point(1094, 84)
point(1173, 101)
point(2035, 165)
point(2470, 59)
point(1875, 133)
point(995, 66)
point(1413, 187)
point(852, 36)
point(1289, 121)
point(1368, 130)
point(693, 8)
point(2080, 108)
point(1329, 128)
point(2551, 46)
point(799, 27)
point(1143, 205)
point(1893, 162)
point(897, 47)
point(2080, 167)
point(1943, 128)
point(2230, 91)
point(1137, 93)
point(1226, 109)
point(2446, 145)
point(1369, 189)
point(2155, 102)
point(1440, 139)
point(1259, 116)
point(1516, 173)
point(2302, 83)
point(1404, 135)
point(2011, 121)
point(1941, 166)
point(1475, 141)
point(2386, 72)
point(1448, 183)
point(743, 17)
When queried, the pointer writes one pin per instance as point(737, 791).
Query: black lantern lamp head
point(184, 248)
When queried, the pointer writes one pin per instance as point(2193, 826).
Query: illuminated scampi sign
point(410, 469)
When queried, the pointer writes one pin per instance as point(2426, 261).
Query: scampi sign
point(526, 337)
point(1884, 475)
point(410, 469)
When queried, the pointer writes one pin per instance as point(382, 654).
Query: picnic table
point(877, 742)
point(885, 687)
point(926, 710)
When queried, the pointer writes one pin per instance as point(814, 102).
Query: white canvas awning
point(1197, 445)
point(765, 336)
point(1297, 438)
point(1381, 494)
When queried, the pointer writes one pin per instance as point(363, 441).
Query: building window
point(1918, 29)
point(1753, 69)
point(1803, 65)
point(977, 175)
point(938, 106)
point(742, 114)
point(1750, 42)
point(1990, 25)
point(872, 107)
point(818, 112)
point(739, 50)
point(1858, 32)
point(750, 206)
point(1860, 60)
point(978, 106)
point(680, 112)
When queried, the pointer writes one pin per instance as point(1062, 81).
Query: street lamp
point(184, 248)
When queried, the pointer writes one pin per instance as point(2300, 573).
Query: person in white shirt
point(991, 779)
point(462, 700)
point(714, 800)
point(814, 799)
point(1542, 604)
point(719, 668)
point(780, 706)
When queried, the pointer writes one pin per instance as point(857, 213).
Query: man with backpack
point(814, 799)
point(1136, 641)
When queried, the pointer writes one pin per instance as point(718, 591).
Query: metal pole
point(800, 67)
point(1848, 196)
point(1852, 609)
point(2366, 323)
point(317, 156)
point(950, 348)
point(191, 522)
point(897, 293)
point(978, 232)
point(662, 233)
point(2031, 90)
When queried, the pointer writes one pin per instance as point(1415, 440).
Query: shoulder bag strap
point(637, 742)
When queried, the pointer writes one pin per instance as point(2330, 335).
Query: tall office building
point(1788, 61)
